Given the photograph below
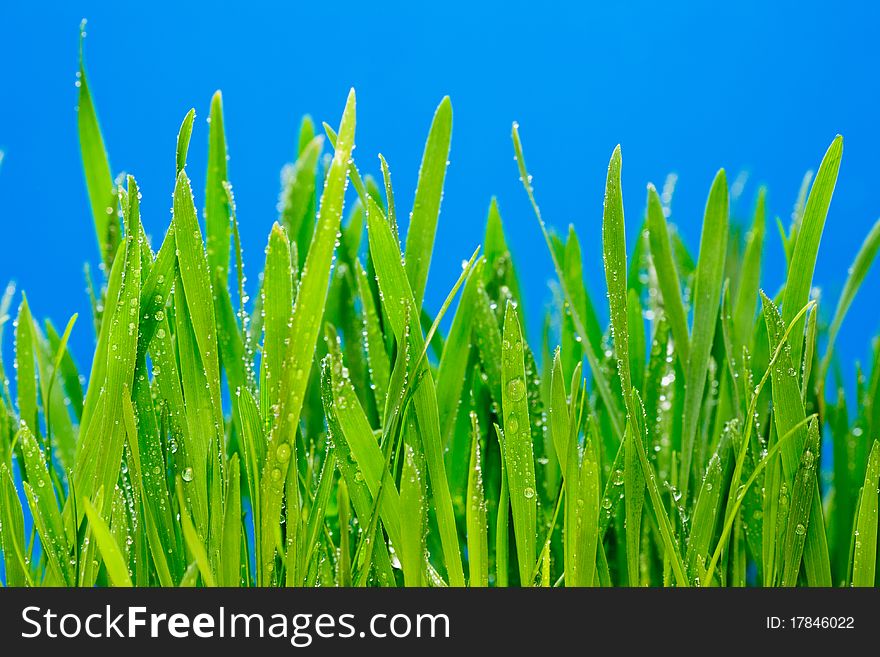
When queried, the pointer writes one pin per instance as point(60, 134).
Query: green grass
point(324, 427)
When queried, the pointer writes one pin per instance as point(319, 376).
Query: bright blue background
point(757, 86)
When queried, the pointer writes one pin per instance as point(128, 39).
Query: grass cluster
point(319, 428)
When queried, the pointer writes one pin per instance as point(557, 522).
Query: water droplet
point(516, 389)
point(808, 459)
point(512, 423)
point(282, 453)
point(187, 474)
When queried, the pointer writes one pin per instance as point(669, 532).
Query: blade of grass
point(99, 180)
point(117, 569)
point(801, 501)
point(426, 207)
point(806, 248)
point(857, 273)
point(707, 301)
point(216, 208)
point(517, 448)
point(865, 543)
point(667, 274)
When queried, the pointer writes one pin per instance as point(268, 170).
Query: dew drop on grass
point(808, 459)
point(800, 530)
point(282, 453)
point(516, 389)
point(187, 474)
point(512, 423)
point(529, 492)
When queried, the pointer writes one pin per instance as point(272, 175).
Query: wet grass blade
point(476, 517)
point(25, 366)
point(379, 365)
point(183, 137)
point(297, 196)
point(426, 207)
point(802, 494)
point(865, 543)
point(44, 507)
point(599, 378)
point(806, 248)
point(667, 274)
point(12, 532)
point(99, 180)
point(857, 273)
point(747, 291)
point(789, 413)
point(453, 364)
point(100, 447)
point(707, 301)
point(517, 448)
point(305, 324)
point(397, 298)
point(216, 207)
point(614, 257)
point(114, 561)
point(413, 507)
point(193, 542)
point(277, 307)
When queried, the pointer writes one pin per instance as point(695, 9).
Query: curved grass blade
point(452, 371)
point(194, 268)
point(707, 301)
point(44, 508)
point(667, 275)
point(277, 307)
point(747, 290)
point(12, 532)
point(789, 413)
point(670, 544)
point(154, 540)
point(359, 493)
point(216, 207)
point(183, 137)
point(706, 513)
point(230, 555)
point(100, 448)
point(413, 507)
point(517, 447)
point(574, 279)
point(614, 258)
point(26, 371)
point(397, 298)
point(378, 362)
point(297, 196)
point(599, 379)
point(99, 180)
point(426, 207)
point(865, 534)
point(476, 514)
point(806, 248)
point(802, 498)
point(114, 561)
point(857, 273)
point(305, 325)
point(193, 542)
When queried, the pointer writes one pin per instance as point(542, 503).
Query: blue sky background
point(754, 86)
